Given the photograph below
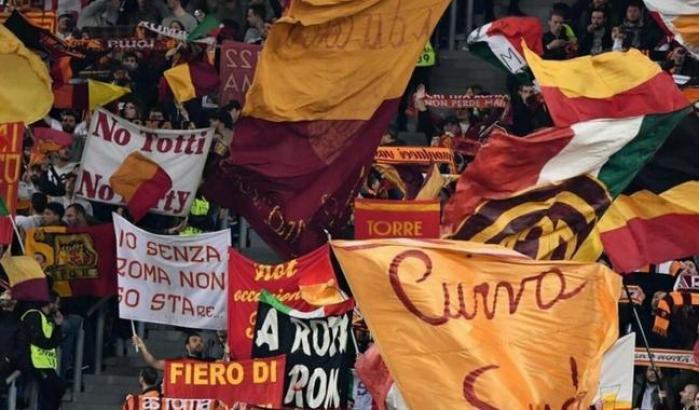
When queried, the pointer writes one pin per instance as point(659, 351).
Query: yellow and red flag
point(327, 84)
point(465, 325)
point(141, 182)
point(26, 278)
point(609, 85)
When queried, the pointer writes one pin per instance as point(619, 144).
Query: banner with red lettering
point(672, 358)
point(301, 283)
point(238, 62)
point(10, 161)
point(180, 153)
point(375, 218)
point(172, 280)
point(257, 381)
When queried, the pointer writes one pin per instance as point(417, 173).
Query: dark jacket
point(639, 388)
point(587, 40)
point(35, 333)
point(13, 344)
point(555, 53)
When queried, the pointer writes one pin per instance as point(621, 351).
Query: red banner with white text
point(10, 161)
point(237, 68)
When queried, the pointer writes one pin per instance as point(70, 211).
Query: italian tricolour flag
point(500, 42)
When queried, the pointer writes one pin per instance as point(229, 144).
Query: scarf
point(666, 305)
point(463, 101)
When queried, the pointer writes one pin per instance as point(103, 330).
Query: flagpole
point(643, 333)
point(19, 237)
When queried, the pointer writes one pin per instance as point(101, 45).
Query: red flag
point(49, 134)
point(372, 371)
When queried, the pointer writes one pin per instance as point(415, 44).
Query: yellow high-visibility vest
point(43, 358)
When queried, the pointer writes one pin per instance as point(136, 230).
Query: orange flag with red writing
point(464, 325)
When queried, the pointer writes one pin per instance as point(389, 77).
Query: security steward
point(43, 330)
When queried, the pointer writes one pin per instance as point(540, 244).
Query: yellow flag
point(103, 93)
point(25, 85)
point(349, 57)
point(434, 182)
point(463, 325)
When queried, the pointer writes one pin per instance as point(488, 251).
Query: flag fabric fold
point(430, 305)
point(27, 279)
point(87, 95)
point(61, 138)
point(191, 80)
point(500, 42)
point(559, 181)
point(25, 84)
point(608, 85)
point(315, 113)
point(141, 182)
point(651, 220)
point(681, 18)
point(37, 38)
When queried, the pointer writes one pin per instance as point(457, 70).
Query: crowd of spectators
point(587, 27)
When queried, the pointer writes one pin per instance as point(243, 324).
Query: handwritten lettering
point(480, 292)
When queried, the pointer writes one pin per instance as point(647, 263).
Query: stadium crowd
point(31, 332)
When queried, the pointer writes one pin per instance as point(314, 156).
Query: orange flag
point(141, 182)
point(464, 325)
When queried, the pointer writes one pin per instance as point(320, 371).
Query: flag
point(37, 38)
point(25, 85)
point(204, 28)
point(61, 138)
point(372, 371)
point(543, 194)
point(192, 80)
point(101, 93)
point(326, 86)
point(651, 220)
point(500, 42)
point(26, 278)
point(141, 182)
point(86, 95)
point(681, 18)
point(608, 85)
point(434, 182)
point(81, 261)
point(616, 380)
point(376, 218)
point(11, 136)
point(459, 323)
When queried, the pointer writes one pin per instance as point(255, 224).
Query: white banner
point(616, 378)
point(675, 359)
point(173, 280)
point(177, 34)
point(181, 153)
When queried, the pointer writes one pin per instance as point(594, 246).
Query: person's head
point(175, 24)
point(35, 172)
point(634, 11)
point(657, 297)
point(156, 114)
point(69, 183)
point(194, 345)
point(525, 91)
point(66, 23)
point(234, 109)
point(130, 61)
point(174, 4)
point(598, 17)
point(452, 125)
point(53, 305)
point(688, 394)
point(474, 90)
point(256, 14)
point(130, 111)
point(652, 375)
point(678, 55)
point(76, 217)
point(696, 401)
point(69, 120)
point(38, 202)
point(53, 214)
point(556, 20)
point(222, 336)
point(63, 154)
point(599, 3)
point(147, 377)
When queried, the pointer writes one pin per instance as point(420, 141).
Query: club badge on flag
point(395, 219)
